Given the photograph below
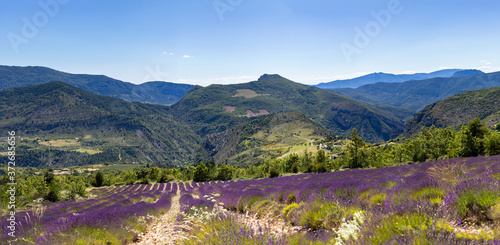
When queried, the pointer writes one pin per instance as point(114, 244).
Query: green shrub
point(407, 224)
point(260, 208)
point(481, 200)
point(390, 184)
point(280, 196)
point(433, 194)
point(241, 208)
point(323, 215)
point(54, 194)
point(290, 212)
point(291, 198)
point(252, 201)
point(201, 173)
point(166, 178)
point(224, 173)
point(494, 212)
point(274, 172)
point(378, 199)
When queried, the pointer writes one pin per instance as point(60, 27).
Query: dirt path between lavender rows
point(163, 230)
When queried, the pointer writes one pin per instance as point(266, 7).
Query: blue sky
point(231, 41)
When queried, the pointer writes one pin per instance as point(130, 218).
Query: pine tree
point(356, 156)
point(99, 179)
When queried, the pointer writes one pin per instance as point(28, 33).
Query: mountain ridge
point(216, 108)
point(155, 92)
point(417, 94)
point(459, 110)
point(114, 128)
point(385, 77)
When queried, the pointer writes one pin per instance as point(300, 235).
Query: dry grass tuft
point(448, 173)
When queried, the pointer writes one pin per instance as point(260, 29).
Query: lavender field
point(455, 201)
point(123, 209)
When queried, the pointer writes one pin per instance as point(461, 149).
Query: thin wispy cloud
point(187, 56)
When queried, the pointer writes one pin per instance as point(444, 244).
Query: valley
point(226, 158)
point(249, 122)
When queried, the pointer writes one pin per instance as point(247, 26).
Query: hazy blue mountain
point(466, 73)
point(163, 93)
point(386, 78)
point(416, 94)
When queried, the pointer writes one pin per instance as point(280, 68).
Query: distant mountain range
point(392, 78)
point(459, 110)
point(417, 94)
point(163, 93)
point(220, 107)
point(85, 128)
point(63, 124)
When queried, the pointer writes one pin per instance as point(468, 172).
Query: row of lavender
point(110, 206)
point(347, 186)
point(446, 189)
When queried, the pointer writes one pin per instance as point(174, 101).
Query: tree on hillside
point(54, 194)
point(471, 138)
point(430, 144)
point(201, 173)
point(99, 179)
point(321, 161)
point(291, 163)
point(224, 173)
point(154, 173)
point(321, 156)
point(492, 144)
point(355, 150)
point(477, 128)
point(49, 176)
point(305, 161)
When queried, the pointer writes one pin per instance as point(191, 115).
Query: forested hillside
point(458, 110)
point(269, 136)
point(64, 125)
point(219, 107)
